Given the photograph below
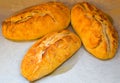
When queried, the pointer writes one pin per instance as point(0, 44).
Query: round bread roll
point(96, 31)
point(48, 53)
point(36, 21)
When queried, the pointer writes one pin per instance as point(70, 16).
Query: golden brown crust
point(95, 30)
point(36, 21)
point(48, 53)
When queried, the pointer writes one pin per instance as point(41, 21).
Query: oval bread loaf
point(48, 53)
point(95, 29)
point(36, 21)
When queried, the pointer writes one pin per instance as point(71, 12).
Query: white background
point(81, 68)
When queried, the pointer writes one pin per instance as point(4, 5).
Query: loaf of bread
point(96, 31)
point(48, 53)
point(36, 21)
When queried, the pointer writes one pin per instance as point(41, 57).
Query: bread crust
point(36, 21)
point(48, 53)
point(96, 31)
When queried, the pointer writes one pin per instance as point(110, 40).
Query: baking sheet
point(81, 68)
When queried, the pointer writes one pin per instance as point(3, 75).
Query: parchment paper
point(81, 68)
